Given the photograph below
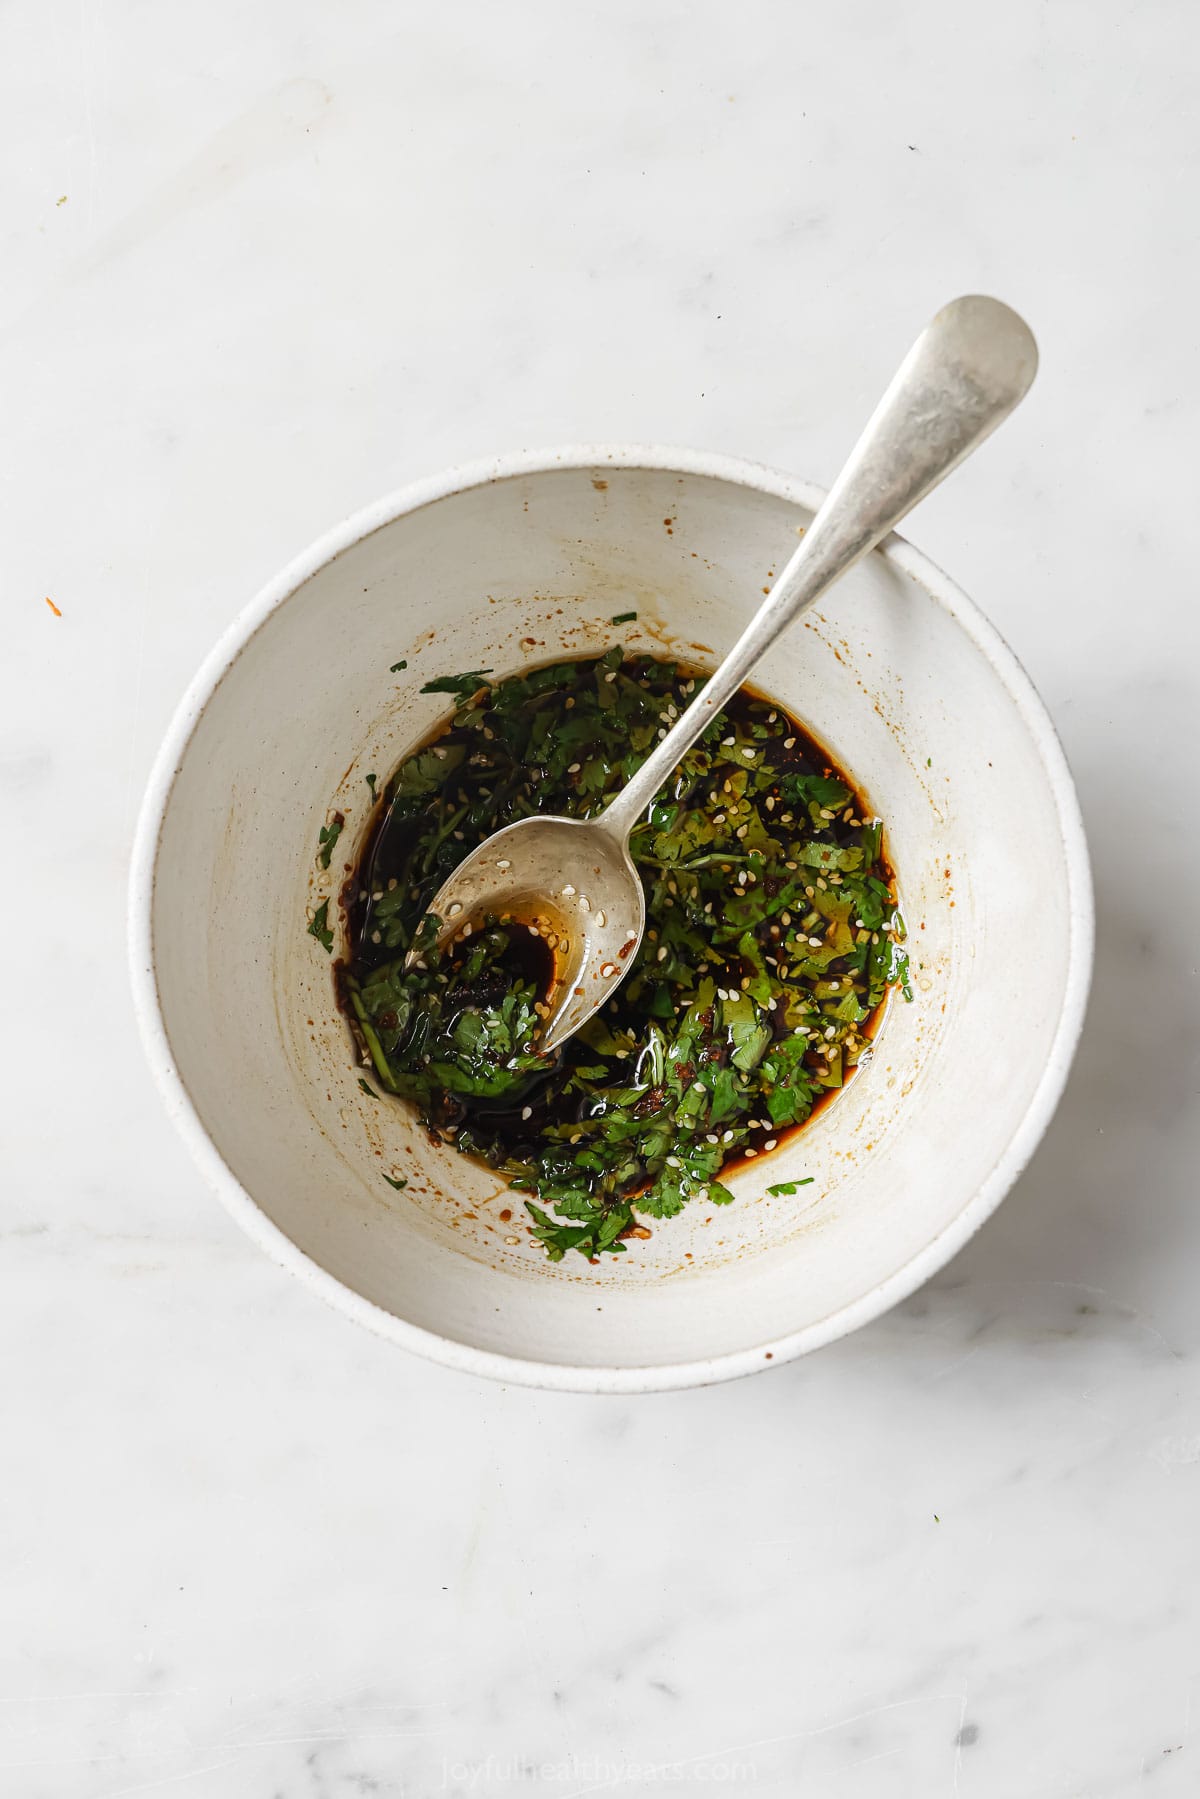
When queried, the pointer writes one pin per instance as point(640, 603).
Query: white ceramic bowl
point(518, 562)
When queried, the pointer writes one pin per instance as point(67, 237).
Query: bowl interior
point(912, 697)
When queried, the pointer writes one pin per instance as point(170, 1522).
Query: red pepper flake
point(54, 609)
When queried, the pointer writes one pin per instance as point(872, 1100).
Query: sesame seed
point(573, 769)
point(662, 954)
point(611, 675)
point(751, 1152)
point(673, 1162)
point(771, 1143)
point(601, 918)
point(585, 903)
point(376, 936)
point(728, 742)
point(607, 968)
point(814, 943)
point(771, 717)
point(503, 862)
point(567, 891)
point(789, 743)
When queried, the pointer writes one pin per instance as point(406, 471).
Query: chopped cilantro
point(367, 1087)
point(399, 1185)
point(327, 837)
point(319, 927)
point(370, 780)
point(773, 937)
point(396, 667)
point(623, 618)
point(463, 685)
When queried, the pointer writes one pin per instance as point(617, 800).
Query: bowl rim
point(566, 1376)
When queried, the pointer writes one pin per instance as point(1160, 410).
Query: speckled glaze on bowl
point(513, 563)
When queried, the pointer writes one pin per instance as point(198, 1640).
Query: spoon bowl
point(572, 883)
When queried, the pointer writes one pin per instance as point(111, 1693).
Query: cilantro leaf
point(327, 837)
point(319, 927)
point(464, 685)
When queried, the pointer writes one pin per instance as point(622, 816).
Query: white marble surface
point(304, 253)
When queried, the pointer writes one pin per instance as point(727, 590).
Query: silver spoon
point(573, 879)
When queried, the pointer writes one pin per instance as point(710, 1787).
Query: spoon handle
point(963, 376)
